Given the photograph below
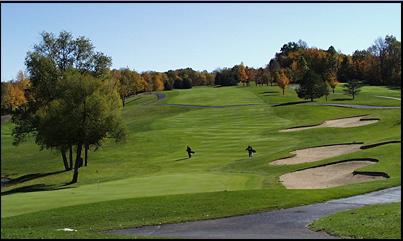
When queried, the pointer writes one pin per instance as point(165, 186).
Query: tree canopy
point(72, 99)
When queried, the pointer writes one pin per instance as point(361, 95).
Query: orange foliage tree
point(283, 80)
point(331, 79)
point(243, 76)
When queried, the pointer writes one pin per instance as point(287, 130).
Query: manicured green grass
point(370, 222)
point(367, 96)
point(148, 179)
point(127, 188)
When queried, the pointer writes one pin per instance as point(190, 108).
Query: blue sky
point(201, 36)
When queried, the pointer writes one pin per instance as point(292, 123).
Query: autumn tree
point(125, 83)
point(331, 79)
point(15, 93)
point(282, 79)
point(148, 80)
point(252, 75)
point(242, 75)
point(158, 81)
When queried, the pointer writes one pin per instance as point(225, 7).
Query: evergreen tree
point(352, 88)
point(311, 86)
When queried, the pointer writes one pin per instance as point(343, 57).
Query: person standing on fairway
point(189, 151)
point(250, 151)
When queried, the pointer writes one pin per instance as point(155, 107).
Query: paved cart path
point(356, 106)
point(387, 97)
point(283, 224)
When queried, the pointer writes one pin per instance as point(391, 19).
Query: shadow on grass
point(270, 92)
point(181, 159)
point(132, 100)
point(292, 103)
point(35, 188)
point(30, 177)
point(394, 87)
point(342, 99)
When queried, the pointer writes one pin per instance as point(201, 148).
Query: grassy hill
point(149, 180)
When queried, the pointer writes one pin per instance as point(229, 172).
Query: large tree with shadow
point(86, 112)
point(47, 65)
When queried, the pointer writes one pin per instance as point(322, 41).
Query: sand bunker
point(332, 175)
point(341, 123)
point(317, 153)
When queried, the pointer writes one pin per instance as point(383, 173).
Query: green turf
point(151, 166)
point(370, 222)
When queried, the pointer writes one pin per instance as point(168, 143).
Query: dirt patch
point(331, 175)
point(339, 123)
point(317, 153)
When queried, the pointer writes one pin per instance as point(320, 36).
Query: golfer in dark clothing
point(189, 151)
point(250, 151)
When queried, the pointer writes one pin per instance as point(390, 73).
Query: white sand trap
point(317, 153)
point(332, 175)
point(340, 123)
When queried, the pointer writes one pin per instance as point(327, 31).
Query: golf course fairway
point(148, 179)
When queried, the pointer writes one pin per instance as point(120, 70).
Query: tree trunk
point(77, 164)
point(311, 99)
point(283, 91)
point(66, 164)
point(333, 90)
point(71, 156)
point(86, 154)
point(123, 101)
point(326, 97)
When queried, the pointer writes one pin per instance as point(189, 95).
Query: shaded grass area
point(370, 222)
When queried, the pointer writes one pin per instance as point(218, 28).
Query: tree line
point(130, 82)
point(379, 64)
point(316, 71)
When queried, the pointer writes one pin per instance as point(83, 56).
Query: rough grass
point(370, 222)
